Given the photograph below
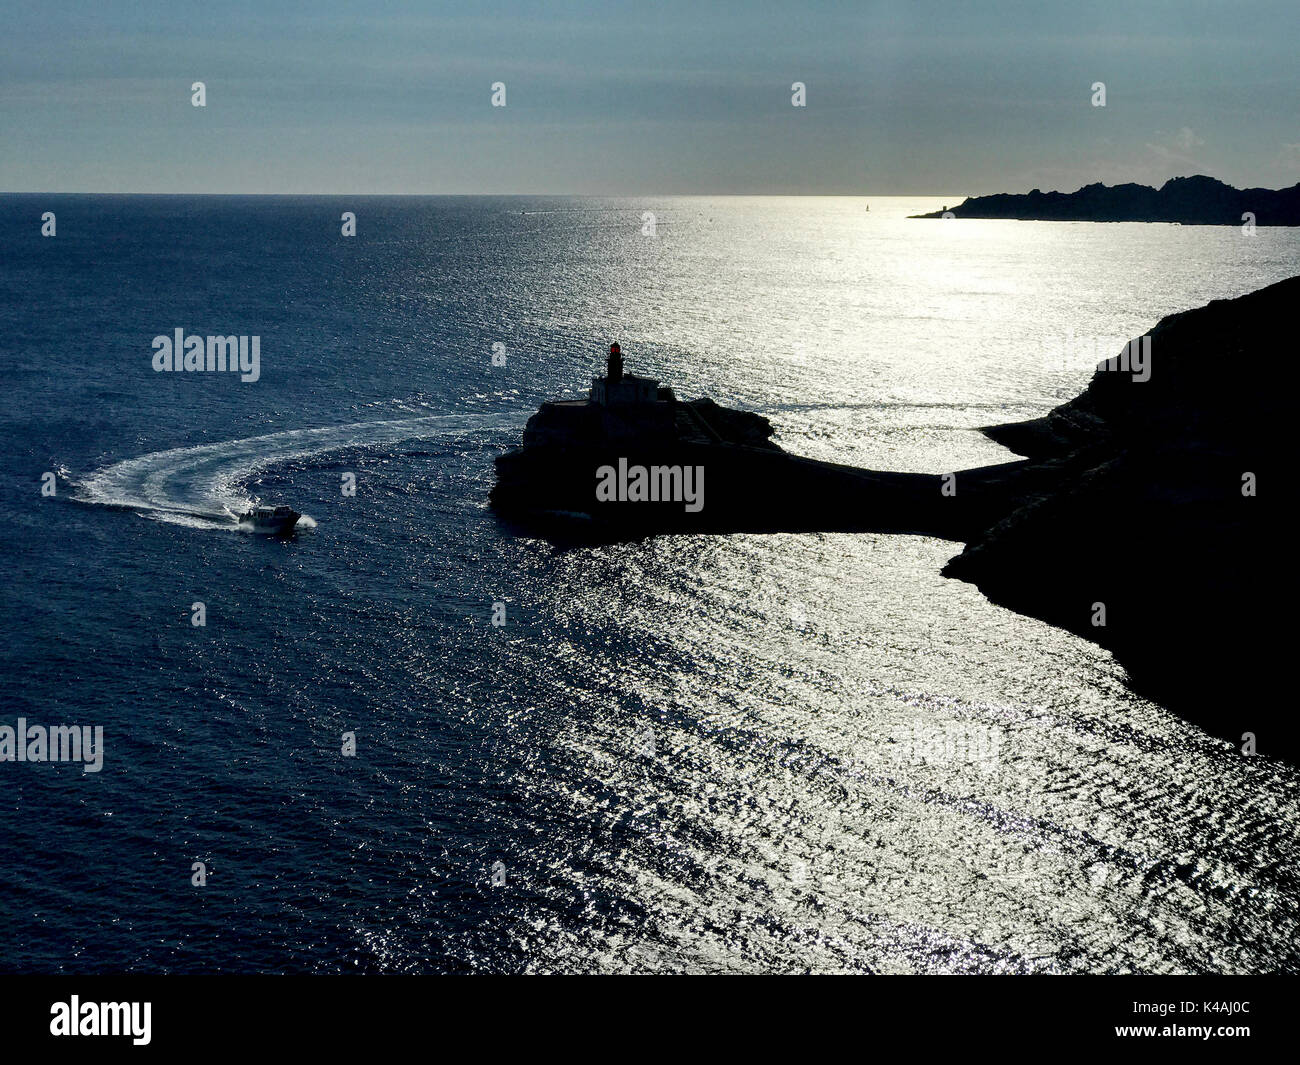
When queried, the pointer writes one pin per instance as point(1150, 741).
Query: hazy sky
point(902, 96)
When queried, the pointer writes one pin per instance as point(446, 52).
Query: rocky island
point(1140, 516)
point(1198, 201)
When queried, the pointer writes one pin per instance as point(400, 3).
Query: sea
point(412, 740)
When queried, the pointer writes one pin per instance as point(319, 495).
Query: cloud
point(1173, 149)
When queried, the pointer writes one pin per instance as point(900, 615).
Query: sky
point(901, 97)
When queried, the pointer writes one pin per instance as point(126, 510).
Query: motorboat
point(270, 521)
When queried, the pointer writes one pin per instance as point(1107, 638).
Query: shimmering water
point(743, 753)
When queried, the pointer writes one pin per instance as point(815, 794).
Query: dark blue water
point(772, 822)
point(223, 741)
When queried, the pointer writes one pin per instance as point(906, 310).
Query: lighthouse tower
point(617, 387)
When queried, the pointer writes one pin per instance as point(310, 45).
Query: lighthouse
point(617, 387)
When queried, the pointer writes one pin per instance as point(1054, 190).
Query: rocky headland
point(1163, 510)
point(1140, 516)
point(1198, 201)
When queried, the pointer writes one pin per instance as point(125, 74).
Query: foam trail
point(202, 482)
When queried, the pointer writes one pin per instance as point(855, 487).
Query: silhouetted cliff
point(1165, 512)
point(1198, 200)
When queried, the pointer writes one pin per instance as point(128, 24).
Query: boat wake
point(204, 486)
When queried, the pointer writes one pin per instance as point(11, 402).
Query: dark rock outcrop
point(1197, 200)
point(1153, 517)
point(749, 484)
point(547, 487)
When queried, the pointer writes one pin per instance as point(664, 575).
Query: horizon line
point(503, 195)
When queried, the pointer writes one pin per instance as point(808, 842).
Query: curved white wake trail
point(200, 484)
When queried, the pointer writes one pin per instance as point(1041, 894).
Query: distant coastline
point(1199, 201)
